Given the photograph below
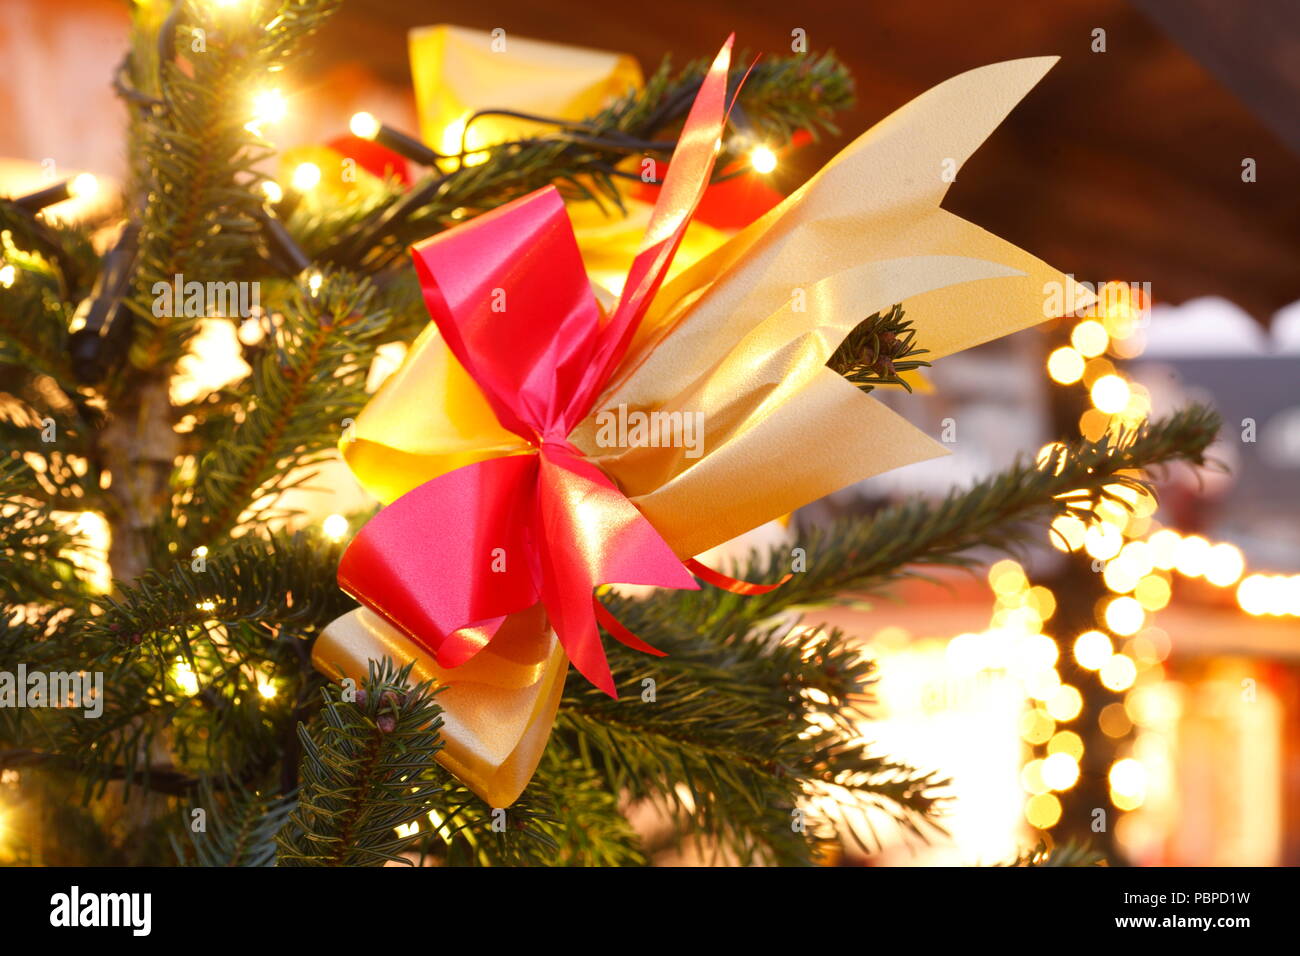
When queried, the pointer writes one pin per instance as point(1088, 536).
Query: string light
point(7, 275)
point(81, 186)
point(272, 191)
point(1089, 339)
point(1110, 394)
point(1065, 366)
point(366, 126)
point(1092, 649)
point(306, 177)
point(762, 160)
point(269, 107)
point(335, 527)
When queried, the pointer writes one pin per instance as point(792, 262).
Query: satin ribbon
point(743, 336)
point(510, 296)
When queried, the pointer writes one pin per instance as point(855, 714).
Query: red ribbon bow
point(449, 560)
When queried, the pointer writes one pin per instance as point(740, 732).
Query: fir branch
point(365, 772)
point(194, 154)
point(240, 827)
point(780, 95)
point(1068, 854)
point(36, 553)
point(276, 581)
point(34, 327)
point(305, 385)
point(858, 554)
point(878, 351)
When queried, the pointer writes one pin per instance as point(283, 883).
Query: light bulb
point(762, 159)
point(364, 125)
point(305, 177)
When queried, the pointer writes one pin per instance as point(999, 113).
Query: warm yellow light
point(1060, 771)
point(1043, 601)
point(1092, 649)
point(1125, 616)
point(1110, 394)
point(1118, 673)
point(272, 191)
point(762, 159)
point(1089, 339)
point(269, 106)
point(1224, 565)
point(1193, 556)
point(1067, 533)
point(364, 125)
point(335, 527)
point(1036, 727)
point(1128, 783)
point(314, 282)
point(1120, 575)
point(1065, 366)
point(1066, 742)
point(1153, 592)
point(83, 186)
point(1065, 704)
point(305, 177)
point(185, 678)
point(1049, 453)
point(1031, 777)
point(1043, 811)
point(1103, 541)
point(1164, 548)
point(1114, 721)
point(1253, 595)
point(266, 689)
point(7, 275)
point(1007, 577)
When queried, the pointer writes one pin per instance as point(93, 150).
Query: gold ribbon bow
point(743, 336)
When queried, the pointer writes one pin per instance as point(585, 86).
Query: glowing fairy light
point(1224, 565)
point(7, 275)
point(185, 678)
point(364, 125)
point(762, 160)
point(272, 191)
point(335, 527)
point(1118, 673)
point(1128, 783)
point(306, 177)
point(1065, 366)
point(1089, 339)
point(1125, 616)
point(1060, 771)
point(1092, 649)
point(1110, 394)
point(269, 106)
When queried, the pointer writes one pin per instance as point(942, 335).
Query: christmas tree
point(214, 740)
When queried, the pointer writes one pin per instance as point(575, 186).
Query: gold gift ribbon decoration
point(743, 336)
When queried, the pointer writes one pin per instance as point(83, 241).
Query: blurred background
point(1133, 682)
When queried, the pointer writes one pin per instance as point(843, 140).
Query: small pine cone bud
point(390, 699)
point(326, 319)
point(386, 723)
point(888, 342)
point(135, 638)
point(884, 367)
point(361, 697)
